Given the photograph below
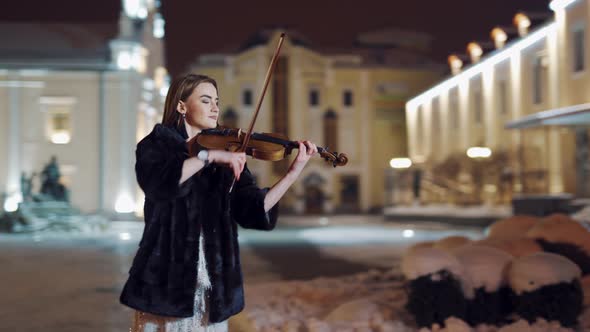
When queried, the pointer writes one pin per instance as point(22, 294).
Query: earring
point(181, 119)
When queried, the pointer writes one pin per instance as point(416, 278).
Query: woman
point(186, 275)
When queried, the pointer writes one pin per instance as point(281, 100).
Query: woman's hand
point(234, 160)
point(306, 150)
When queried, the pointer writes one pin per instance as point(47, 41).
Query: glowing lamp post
point(479, 153)
point(390, 176)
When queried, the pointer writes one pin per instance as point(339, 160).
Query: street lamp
point(477, 152)
point(400, 163)
point(392, 176)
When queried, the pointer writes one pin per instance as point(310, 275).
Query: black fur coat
point(163, 277)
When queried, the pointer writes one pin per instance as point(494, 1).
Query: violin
point(263, 146)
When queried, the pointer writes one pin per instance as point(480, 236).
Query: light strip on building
point(476, 69)
point(556, 5)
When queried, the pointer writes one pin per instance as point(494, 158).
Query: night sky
point(194, 27)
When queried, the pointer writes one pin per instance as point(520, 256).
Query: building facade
point(350, 101)
point(498, 102)
point(84, 94)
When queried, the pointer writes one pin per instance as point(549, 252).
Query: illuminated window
point(158, 26)
point(58, 125)
point(578, 35)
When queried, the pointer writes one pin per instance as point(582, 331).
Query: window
point(331, 130)
point(158, 29)
point(503, 97)
point(247, 97)
point(58, 126)
point(314, 97)
point(419, 130)
point(347, 98)
point(436, 127)
point(435, 117)
point(454, 108)
point(349, 190)
point(229, 118)
point(579, 49)
point(477, 100)
point(538, 80)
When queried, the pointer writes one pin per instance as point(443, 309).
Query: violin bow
point(269, 72)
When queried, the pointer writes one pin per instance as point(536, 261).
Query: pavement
point(68, 282)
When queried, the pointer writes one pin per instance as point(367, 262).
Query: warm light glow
point(158, 26)
point(482, 66)
point(60, 137)
point(556, 5)
point(475, 51)
point(138, 62)
point(523, 23)
point(160, 76)
point(400, 163)
point(125, 236)
point(499, 36)
point(142, 13)
point(164, 91)
point(479, 152)
point(11, 202)
point(455, 63)
point(124, 204)
point(408, 233)
point(136, 8)
point(124, 61)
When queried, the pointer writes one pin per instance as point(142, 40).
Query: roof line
point(539, 118)
point(492, 59)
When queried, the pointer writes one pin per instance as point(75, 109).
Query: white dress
point(145, 322)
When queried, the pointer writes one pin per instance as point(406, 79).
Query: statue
point(50, 185)
point(26, 186)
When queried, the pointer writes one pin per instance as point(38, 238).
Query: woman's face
point(201, 107)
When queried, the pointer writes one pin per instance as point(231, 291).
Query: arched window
point(331, 130)
point(229, 118)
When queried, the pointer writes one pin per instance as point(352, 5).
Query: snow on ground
point(370, 301)
point(451, 210)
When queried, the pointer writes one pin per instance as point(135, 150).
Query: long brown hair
point(180, 89)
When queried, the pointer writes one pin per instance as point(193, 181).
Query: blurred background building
point(513, 118)
point(84, 93)
point(348, 100)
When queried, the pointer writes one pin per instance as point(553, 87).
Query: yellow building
point(525, 100)
point(350, 102)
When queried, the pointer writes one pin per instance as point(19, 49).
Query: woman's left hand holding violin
point(306, 150)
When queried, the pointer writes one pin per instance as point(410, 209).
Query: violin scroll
point(337, 159)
